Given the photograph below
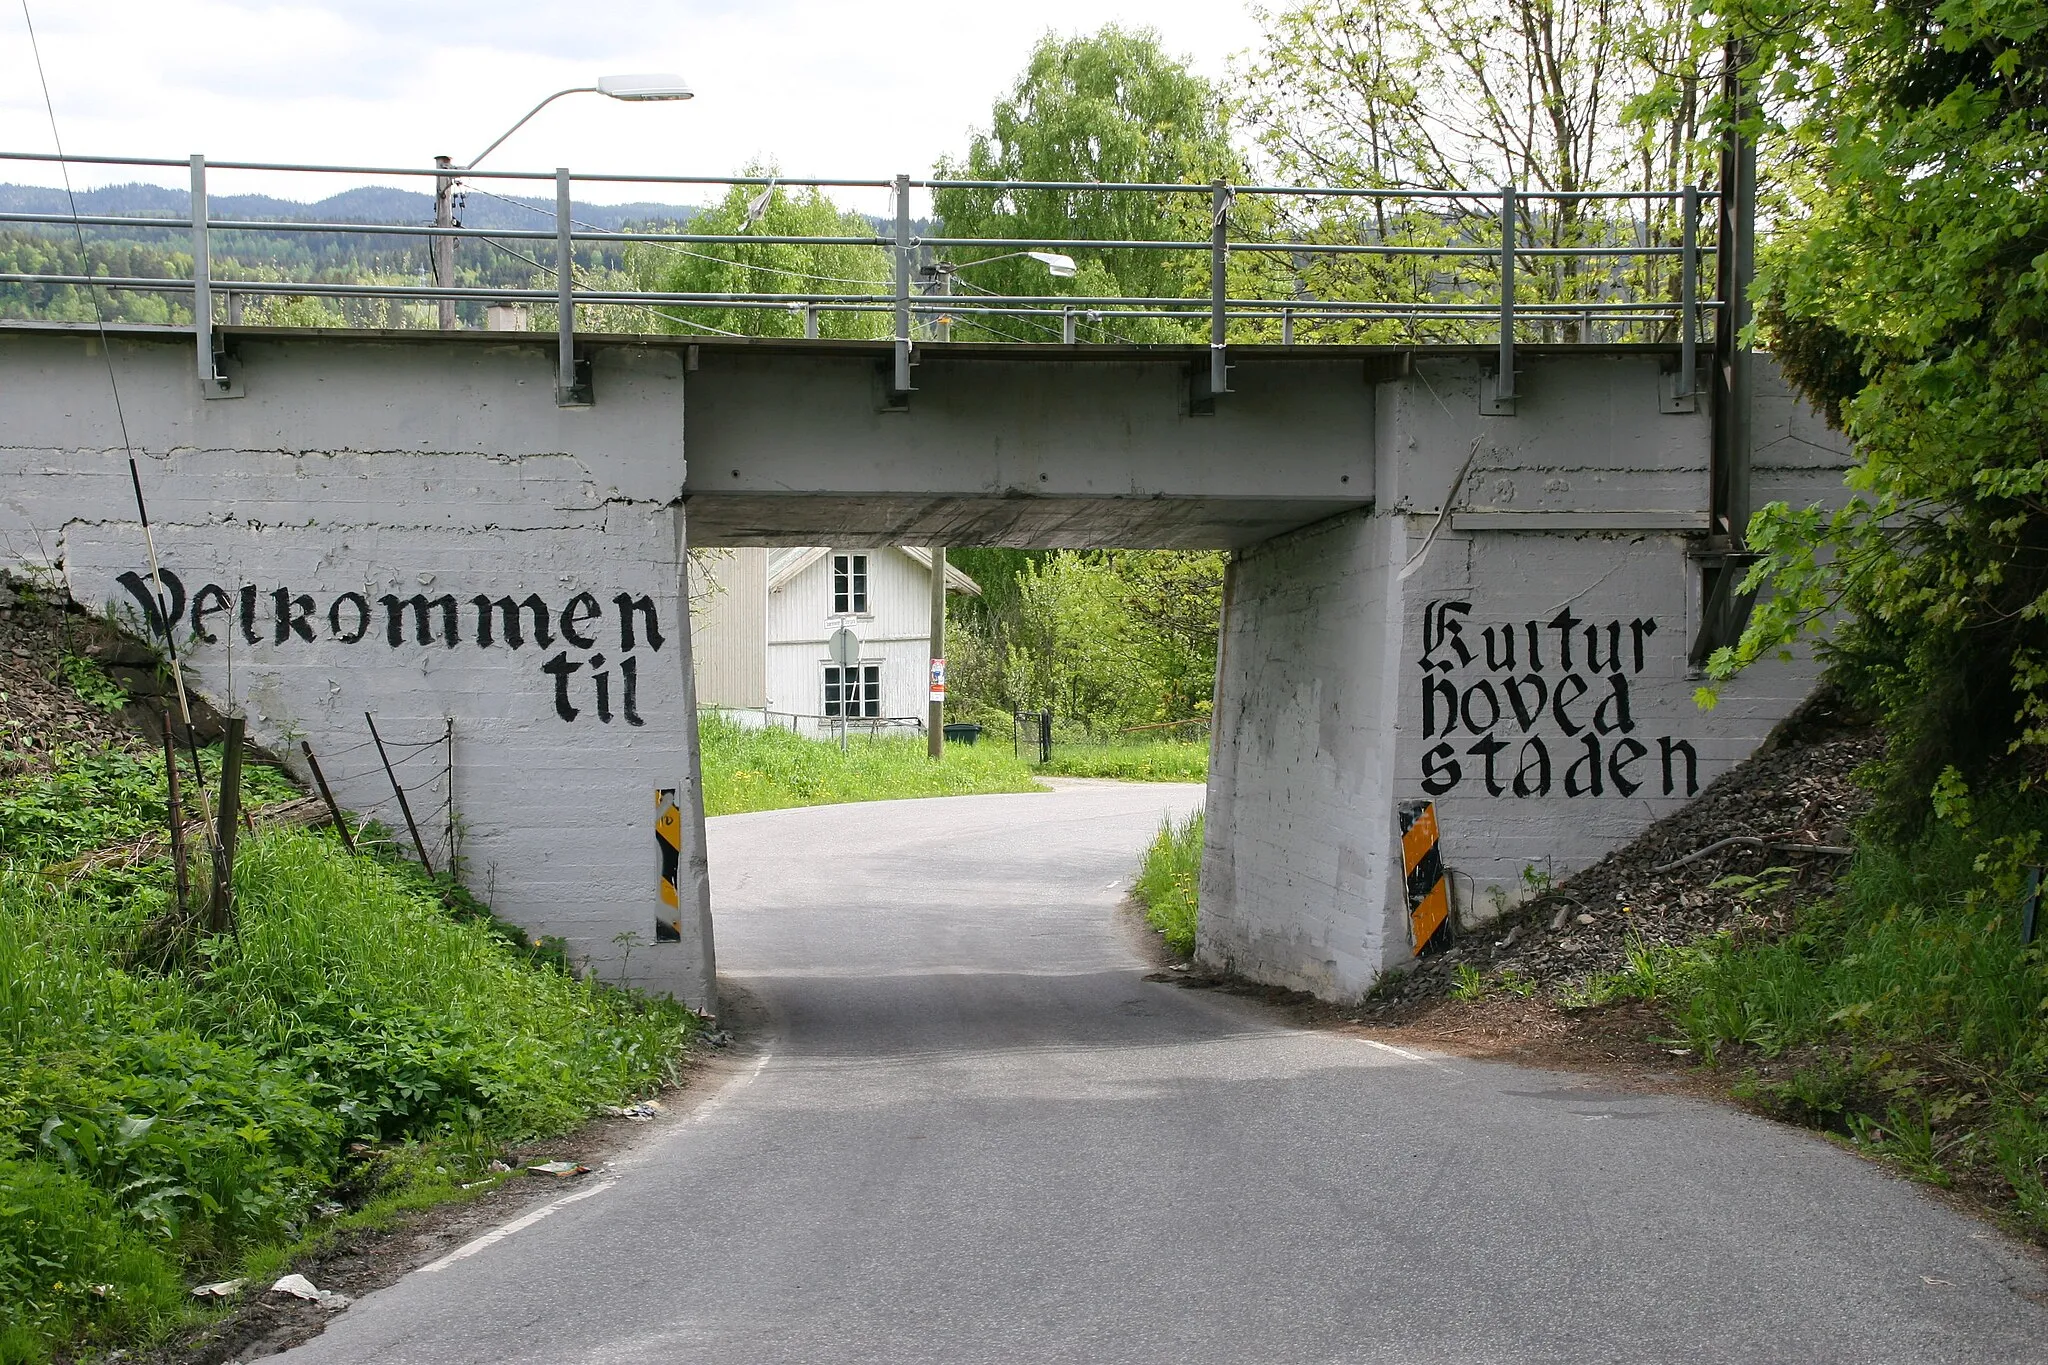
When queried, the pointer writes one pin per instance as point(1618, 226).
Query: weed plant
point(747, 769)
point(1151, 761)
point(1903, 1013)
point(1169, 880)
point(359, 1040)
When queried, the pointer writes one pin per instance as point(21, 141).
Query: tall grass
point(1169, 880)
point(159, 1125)
point(1159, 760)
point(746, 769)
point(1909, 1014)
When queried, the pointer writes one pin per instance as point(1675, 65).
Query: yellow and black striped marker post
point(1429, 891)
point(668, 840)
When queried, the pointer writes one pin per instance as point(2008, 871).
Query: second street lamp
point(633, 88)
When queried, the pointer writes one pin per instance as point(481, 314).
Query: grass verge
point(1156, 761)
point(1902, 1015)
point(366, 1042)
point(1169, 879)
point(747, 769)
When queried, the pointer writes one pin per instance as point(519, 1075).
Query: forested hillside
point(314, 257)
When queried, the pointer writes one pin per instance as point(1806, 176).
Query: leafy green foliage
point(1908, 296)
point(768, 268)
point(1904, 1013)
point(87, 800)
point(91, 682)
point(1106, 640)
point(156, 1124)
point(1170, 880)
point(748, 769)
point(1111, 107)
point(1563, 95)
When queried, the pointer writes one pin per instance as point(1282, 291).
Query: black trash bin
point(963, 732)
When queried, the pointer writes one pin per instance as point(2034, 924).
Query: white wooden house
point(761, 621)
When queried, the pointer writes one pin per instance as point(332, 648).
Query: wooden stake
point(320, 780)
point(419, 845)
point(181, 872)
point(220, 917)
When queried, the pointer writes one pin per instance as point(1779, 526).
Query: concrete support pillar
point(691, 974)
point(1300, 886)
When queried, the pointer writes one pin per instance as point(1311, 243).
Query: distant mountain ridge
point(368, 204)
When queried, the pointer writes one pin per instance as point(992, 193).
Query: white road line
point(1415, 1057)
point(499, 1234)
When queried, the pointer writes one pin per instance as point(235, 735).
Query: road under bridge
point(1432, 594)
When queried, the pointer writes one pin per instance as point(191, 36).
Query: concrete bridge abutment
point(1493, 613)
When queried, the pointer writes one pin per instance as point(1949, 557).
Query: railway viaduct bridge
point(1481, 574)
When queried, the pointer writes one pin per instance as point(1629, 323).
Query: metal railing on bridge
point(1285, 264)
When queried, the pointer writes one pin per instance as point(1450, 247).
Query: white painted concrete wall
point(1367, 661)
point(312, 518)
point(1299, 852)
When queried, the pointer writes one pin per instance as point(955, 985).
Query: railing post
point(1688, 291)
point(810, 322)
point(210, 384)
point(1219, 286)
point(1067, 326)
point(1504, 389)
point(568, 393)
point(1286, 326)
point(901, 377)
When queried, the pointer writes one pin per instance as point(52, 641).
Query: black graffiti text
point(283, 618)
point(1535, 708)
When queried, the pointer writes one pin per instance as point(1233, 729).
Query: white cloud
point(821, 87)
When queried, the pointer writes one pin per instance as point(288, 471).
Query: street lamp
point(633, 88)
point(1060, 267)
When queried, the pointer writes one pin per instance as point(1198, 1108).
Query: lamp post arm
point(949, 267)
point(572, 90)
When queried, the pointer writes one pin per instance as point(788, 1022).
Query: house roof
point(784, 565)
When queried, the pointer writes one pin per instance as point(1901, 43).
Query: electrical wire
point(127, 443)
point(683, 251)
point(550, 270)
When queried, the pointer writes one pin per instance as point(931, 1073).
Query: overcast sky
point(823, 87)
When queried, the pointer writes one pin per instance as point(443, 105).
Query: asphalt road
point(972, 1132)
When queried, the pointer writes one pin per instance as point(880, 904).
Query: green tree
point(1111, 107)
point(1908, 297)
point(1107, 639)
point(797, 269)
point(1568, 96)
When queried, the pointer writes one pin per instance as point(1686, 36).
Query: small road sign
point(844, 647)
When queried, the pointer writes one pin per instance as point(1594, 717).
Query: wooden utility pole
point(935, 721)
point(444, 247)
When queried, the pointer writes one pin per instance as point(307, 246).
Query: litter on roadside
point(561, 1170)
point(299, 1287)
point(219, 1289)
point(639, 1113)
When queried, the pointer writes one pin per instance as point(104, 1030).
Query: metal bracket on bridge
point(1678, 391)
point(1203, 384)
point(1495, 398)
point(213, 377)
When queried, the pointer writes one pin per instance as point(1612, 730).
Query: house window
point(849, 585)
point(854, 692)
